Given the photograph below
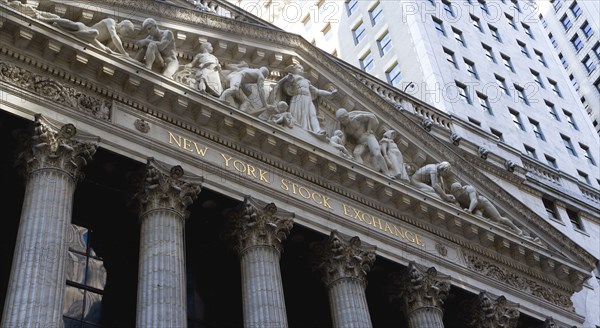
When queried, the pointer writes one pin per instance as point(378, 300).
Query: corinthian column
point(344, 266)
point(487, 312)
point(422, 292)
point(257, 232)
point(162, 200)
point(51, 159)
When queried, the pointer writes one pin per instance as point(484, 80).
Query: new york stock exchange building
point(184, 164)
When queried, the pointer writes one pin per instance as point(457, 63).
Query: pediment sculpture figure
point(240, 79)
point(207, 70)
point(470, 200)
point(158, 48)
point(338, 141)
point(359, 127)
point(278, 114)
point(300, 93)
point(393, 155)
point(431, 179)
point(29, 10)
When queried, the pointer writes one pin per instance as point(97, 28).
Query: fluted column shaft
point(257, 231)
point(349, 304)
point(262, 290)
point(161, 279)
point(422, 292)
point(163, 199)
point(51, 159)
point(37, 283)
point(426, 317)
point(344, 263)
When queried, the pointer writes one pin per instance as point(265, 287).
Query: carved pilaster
point(487, 312)
point(422, 292)
point(257, 231)
point(254, 223)
point(163, 196)
point(344, 263)
point(343, 258)
point(52, 158)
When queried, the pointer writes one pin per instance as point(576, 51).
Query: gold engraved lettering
point(346, 211)
point(262, 174)
point(200, 151)
point(388, 228)
point(187, 144)
point(284, 185)
point(173, 138)
point(399, 232)
point(326, 202)
point(410, 237)
point(226, 160)
point(306, 193)
point(378, 220)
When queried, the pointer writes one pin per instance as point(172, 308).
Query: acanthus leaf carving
point(418, 287)
point(487, 312)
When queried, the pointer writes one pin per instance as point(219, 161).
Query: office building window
point(587, 154)
point(575, 220)
point(432, 2)
point(471, 68)
point(516, 5)
point(576, 41)
point(483, 6)
point(575, 9)
point(556, 4)
point(495, 33)
point(551, 161)
point(458, 36)
point(530, 152)
point(511, 21)
point(568, 145)
point(550, 209)
point(501, 82)
point(521, 94)
point(589, 64)
point(307, 22)
point(448, 8)
point(366, 62)
point(587, 29)
point(384, 43)
point(552, 40)
point(537, 78)
point(583, 177)
point(393, 75)
point(516, 118)
point(450, 58)
point(554, 87)
point(462, 92)
point(484, 103)
point(570, 119)
point(543, 20)
point(439, 26)
point(359, 32)
point(563, 61)
point(351, 6)
point(527, 30)
point(474, 121)
point(477, 23)
point(507, 62)
point(574, 82)
point(327, 33)
point(566, 22)
point(523, 48)
point(552, 110)
point(498, 134)
point(540, 58)
point(376, 14)
point(537, 131)
point(596, 49)
point(488, 52)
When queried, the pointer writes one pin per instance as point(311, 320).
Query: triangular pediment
point(302, 146)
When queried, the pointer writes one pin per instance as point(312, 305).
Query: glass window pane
point(93, 307)
point(96, 274)
point(73, 306)
point(78, 238)
point(76, 268)
point(70, 323)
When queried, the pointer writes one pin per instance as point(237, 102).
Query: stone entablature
point(209, 119)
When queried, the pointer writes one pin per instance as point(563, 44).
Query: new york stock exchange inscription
point(293, 189)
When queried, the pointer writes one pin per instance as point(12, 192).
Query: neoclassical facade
point(178, 164)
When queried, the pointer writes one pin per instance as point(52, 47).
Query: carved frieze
point(520, 282)
point(54, 91)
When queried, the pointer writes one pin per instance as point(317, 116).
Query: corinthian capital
point(255, 223)
point(162, 187)
point(342, 257)
point(419, 287)
point(49, 146)
point(487, 312)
